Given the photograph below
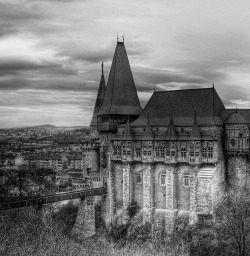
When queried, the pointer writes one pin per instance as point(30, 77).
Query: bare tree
point(233, 221)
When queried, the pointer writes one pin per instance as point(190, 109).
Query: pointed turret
point(121, 100)
point(171, 132)
point(99, 100)
point(195, 132)
point(128, 133)
point(148, 133)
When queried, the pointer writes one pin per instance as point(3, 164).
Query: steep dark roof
point(195, 132)
point(183, 103)
point(171, 132)
point(121, 95)
point(236, 118)
point(245, 113)
point(99, 100)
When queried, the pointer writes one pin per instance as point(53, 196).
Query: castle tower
point(237, 150)
point(98, 104)
point(121, 101)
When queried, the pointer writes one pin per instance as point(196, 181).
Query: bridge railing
point(40, 200)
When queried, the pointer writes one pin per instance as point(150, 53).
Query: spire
point(195, 132)
point(171, 132)
point(99, 99)
point(148, 130)
point(121, 96)
point(128, 133)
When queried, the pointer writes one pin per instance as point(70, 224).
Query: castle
point(175, 157)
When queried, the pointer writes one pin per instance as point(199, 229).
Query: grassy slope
point(23, 233)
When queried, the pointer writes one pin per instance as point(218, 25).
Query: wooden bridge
point(40, 200)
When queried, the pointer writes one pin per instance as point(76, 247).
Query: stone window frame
point(186, 180)
point(204, 151)
point(183, 152)
point(157, 151)
point(232, 143)
point(160, 179)
point(210, 152)
point(192, 151)
point(138, 177)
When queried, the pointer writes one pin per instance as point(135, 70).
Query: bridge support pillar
point(85, 220)
point(45, 212)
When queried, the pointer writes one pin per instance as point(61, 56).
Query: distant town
point(43, 159)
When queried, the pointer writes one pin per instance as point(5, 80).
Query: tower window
point(232, 143)
point(172, 151)
point(163, 179)
point(183, 152)
point(138, 152)
point(186, 180)
point(138, 177)
point(182, 130)
point(210, 152)
point(192, 151)
point(204, 152)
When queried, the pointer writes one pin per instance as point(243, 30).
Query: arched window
point(186, 180)
point(157, 151)
point(192, 151)
point(138, 177)
point(145, 150)
point(204, 152)
point(138, 151)
point(168, 151)
point(163, 179)
point(183, 152)
point(162, 151)
point(128, 151)
point(172, 151)
point(149, 150)
point(197, 152)
point(124, 150)
point(210, 152)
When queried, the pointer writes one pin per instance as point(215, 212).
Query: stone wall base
point(85, 220)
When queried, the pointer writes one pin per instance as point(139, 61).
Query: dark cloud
point(147, 78)
point(20, 12)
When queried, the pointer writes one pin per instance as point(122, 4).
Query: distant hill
point(49, 126)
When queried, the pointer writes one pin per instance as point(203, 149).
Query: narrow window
point(138, 177)
point(183, 152)
point(192, 151)
point(204, 152)
point(172, 151)
point(197, 152)
point(138, 152)
point(162, 152)
point(186, 180)
point(157, 151)
point(210, 152)
point(163, 179)
point(232, 143)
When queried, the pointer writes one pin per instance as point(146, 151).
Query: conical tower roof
point(121, 95)
point(171, 132)
point(195, 132)
point(128, 133)
point(99, 99)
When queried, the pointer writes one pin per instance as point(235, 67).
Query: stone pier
point(85, 220)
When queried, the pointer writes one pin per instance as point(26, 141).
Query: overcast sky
point(51, 53)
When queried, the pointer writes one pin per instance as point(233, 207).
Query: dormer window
point(232, 143)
